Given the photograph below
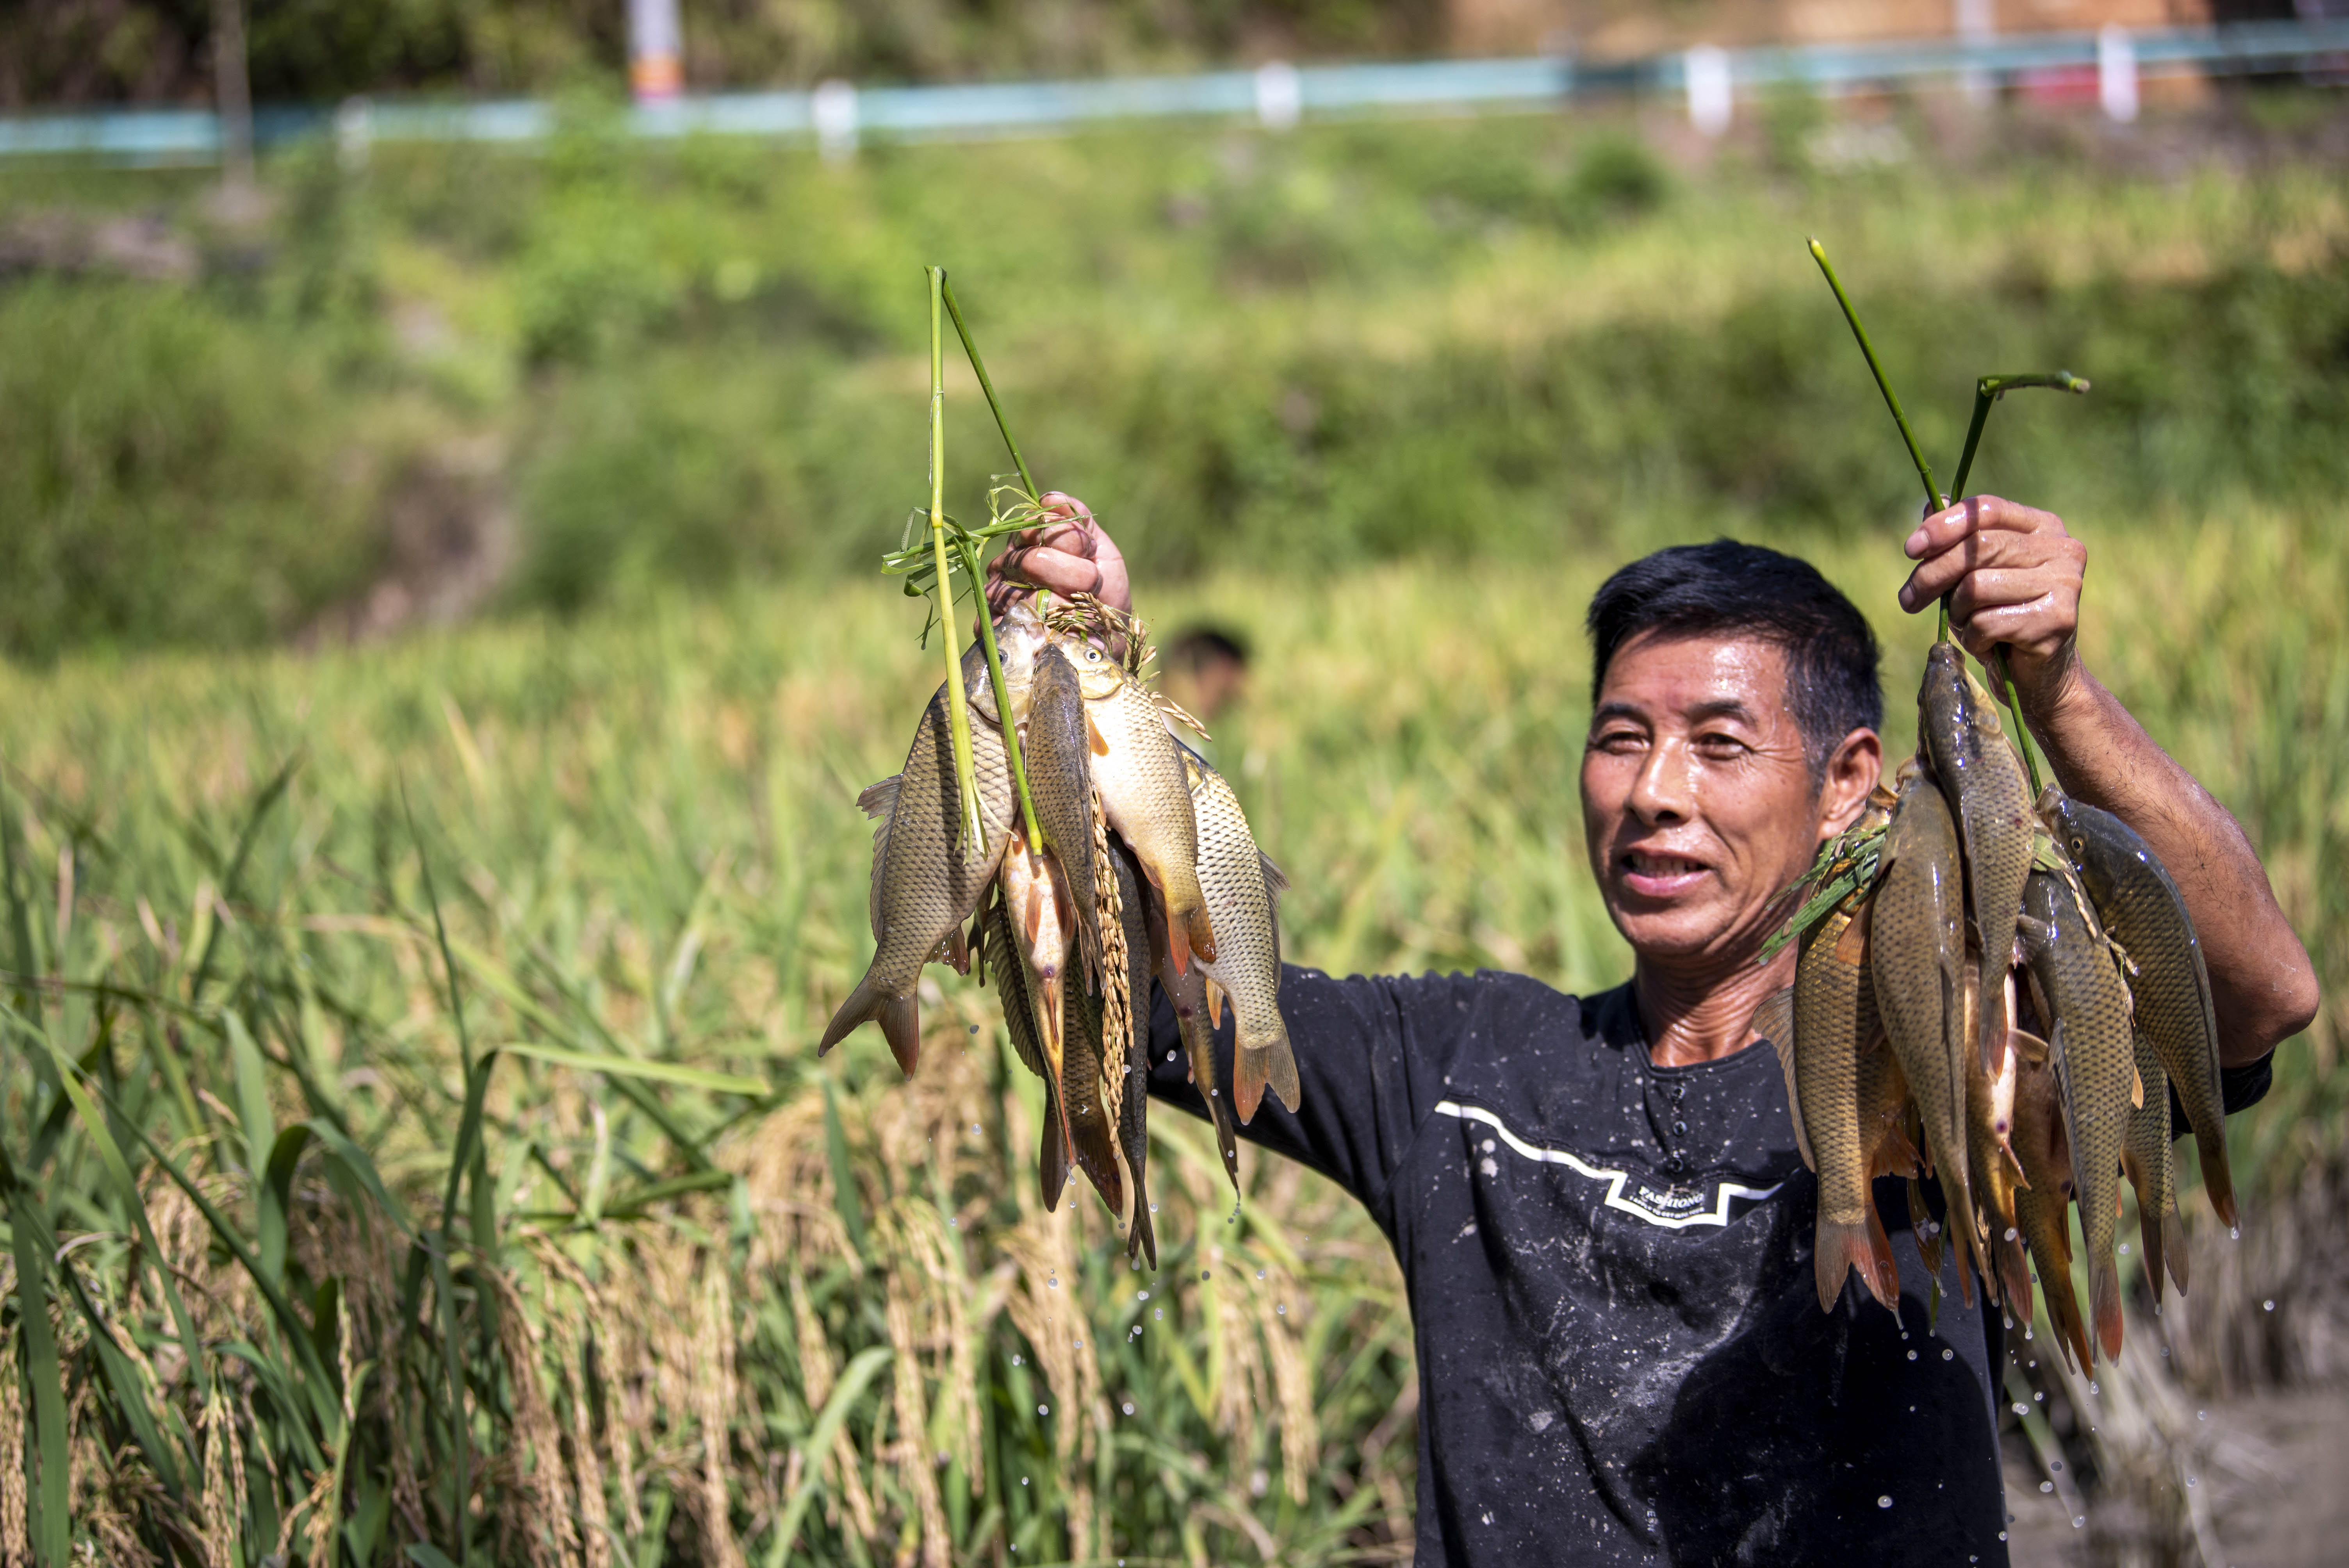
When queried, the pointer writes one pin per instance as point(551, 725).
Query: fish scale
point(1917, 940)
point(927, 880)
point(2091, 1045)
point(1058, 758)
point(1835, 1016)
point(2141, 907)
point(1137, 765)
point(1982, 780)
point(1240, 885)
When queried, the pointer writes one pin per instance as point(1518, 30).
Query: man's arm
point(2015, 576)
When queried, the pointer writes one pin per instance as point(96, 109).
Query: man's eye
point(1720, 745)
point(1620, 740)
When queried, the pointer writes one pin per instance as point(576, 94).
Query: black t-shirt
point(1621, 1354)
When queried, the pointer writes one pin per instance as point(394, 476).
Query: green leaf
point(46, 1501)
point(275, 1197)
point(252, 1093)
point(630, 1067)
point(129, 1389)
point(818, 1448)
point(843, 1175)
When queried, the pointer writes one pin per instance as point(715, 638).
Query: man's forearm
point(2260, 979)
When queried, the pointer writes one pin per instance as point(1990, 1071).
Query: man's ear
point(1850, 775)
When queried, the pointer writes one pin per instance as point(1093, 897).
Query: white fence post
point(1705, 69)
point(2117, 73)
point(833, 107)
point(1279, 95)
point(655, 51)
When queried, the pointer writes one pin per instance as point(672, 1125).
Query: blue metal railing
point(1275, 95)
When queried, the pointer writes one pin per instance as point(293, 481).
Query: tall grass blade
point(47, 1522)
point(129, 1392)
point(677, 1073)
point(860, 1371)
point(271, 793)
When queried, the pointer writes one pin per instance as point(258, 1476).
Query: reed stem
point(2014, 714)
point(979, 366)
point(1933, 501)
point(969, 553)
point(958, 708)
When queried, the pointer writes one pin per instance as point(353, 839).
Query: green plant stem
point(1988, 390)
point(1891, 400)
point(969, 553)
point(978, 366)
point(2014, 714)
point(958, 707)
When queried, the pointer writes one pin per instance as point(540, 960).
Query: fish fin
point(1201, 932)
point(1851, 947)
point(879, 801)
point(900, 1018)
point(1215, 1004)
point(2105, 1301)
point(2030, 1046)
point(956, 953)
point(1839, 1250)
point(2173, 1248)
point(2070, 1329)
point(1964, 1249)
point(1895, 1156)
point(2015, 1276)
point(1276, 880)
point(1774, 1021)
point(1053, 1155)
point(2033, 933)
point(1251, 1069)
point(2137, 1089)
point(1094, 740)
point(1920, 1218)
point(901, 1025)
point(1282, 1078)
point(1883, 1272)
point(2217, 1181)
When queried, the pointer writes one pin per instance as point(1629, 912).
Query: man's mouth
point(1659, 873)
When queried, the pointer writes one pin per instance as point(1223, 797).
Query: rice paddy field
point(414, 1147)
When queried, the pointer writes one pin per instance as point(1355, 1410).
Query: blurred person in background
point(1603, 1221)
point(1204, 669)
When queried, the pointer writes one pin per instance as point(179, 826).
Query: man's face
point(1697, 804)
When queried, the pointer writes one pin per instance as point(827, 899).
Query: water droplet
point(2201, 1415)
point(1884, 1502)
point(2235, 1232)
point(2079, 1521)
point(1129, 1407)
point(1282, 1309)
point(1153, 1207)
point(1142, 1295)
point(2092, 1386)
point(2021, 1408)
point(1488, 1516)
point(1054, 1283)
point(1157, 1312)
point(954, 1222)
point(2268, 1306)
point(2002, 1535)
point(974, 1128)
point(1259, 1274)
point(2055, 1464)
point(1023, 1482)
point(1081, 1345)
point(1912, 1356)
point(1015, 1361)
point(1203, 1273)
point(1947, 1353)
point(2046, 1486)
point(1043, 1409)
point(2010, 1233)
point(2123, 1249)
point(2040, 1396)
point(2190, 1481)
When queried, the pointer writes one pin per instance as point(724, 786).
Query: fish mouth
point(1659, 873)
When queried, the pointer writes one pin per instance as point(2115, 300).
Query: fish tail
point(900, 1018)
point(1281, 1074)
point(1052, 1154)
point(2217, 1179)
point(2105, 1301)
point(1839, 1249)
point(1140, 1239)
point(2013, 1276)
point(1883, 1271)
point(1251, 1070)
point(1178, 947)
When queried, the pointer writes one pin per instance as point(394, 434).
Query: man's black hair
point(1200, 646)
point(1728, 589)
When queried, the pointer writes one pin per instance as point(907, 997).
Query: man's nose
point(1660, 792)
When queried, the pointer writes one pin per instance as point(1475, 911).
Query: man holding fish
point(1599, 1205)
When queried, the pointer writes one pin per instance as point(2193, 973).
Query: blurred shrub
point(168, 474)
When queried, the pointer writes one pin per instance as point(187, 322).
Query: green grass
point(641, 835)
point(697, 363)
